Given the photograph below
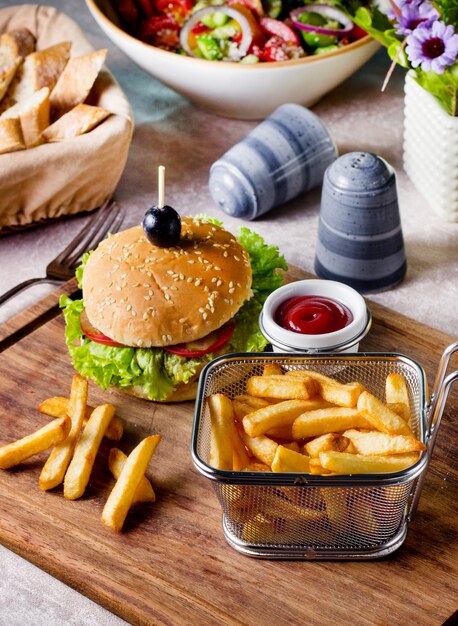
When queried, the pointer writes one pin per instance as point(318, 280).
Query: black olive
point(162, 226)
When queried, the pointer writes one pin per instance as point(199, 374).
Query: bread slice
point(79, 120)
point(19, 42)
point(40, 69)
point(33, 114)
point(7, 73)
point(10, 136)
point(76, 82)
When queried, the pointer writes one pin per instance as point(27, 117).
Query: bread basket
point(55, 179)
point(304, 516)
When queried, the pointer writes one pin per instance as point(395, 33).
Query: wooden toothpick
point(161, 186)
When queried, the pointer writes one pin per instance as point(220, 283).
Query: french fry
point(363, 519)
point(281, 432)
point(286, 460)
point(256, 467)
point(53, 433)
point(336, 505)
point(322, 421)
point(121, 497)
point(272, 369)
point(55, 467)
point(283, 509)
point(344, 463)
point(58, 406)
point(261, 447)
point(396, 389)
point(243, 405)
point(331, 390)
point(240, 458)
point(144, 491)
point(222, 427)
point(316, 467)
point(80, 468)
point(380, 444)
point(274, 415)
point(281, 387)
point(380, 416)
point(292, 445)
point(329, 441)
point(400, 409)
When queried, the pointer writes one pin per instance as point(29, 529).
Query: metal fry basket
point(304, 516)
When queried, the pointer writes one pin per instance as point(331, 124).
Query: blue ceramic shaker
point(360, 240)
point(284, 156)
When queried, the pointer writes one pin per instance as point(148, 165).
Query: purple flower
point(413, 14)
point(432, 47)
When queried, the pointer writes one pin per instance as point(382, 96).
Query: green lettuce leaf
point(158, 372)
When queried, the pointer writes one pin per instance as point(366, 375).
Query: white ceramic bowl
point(237, 90)
point(345, 340)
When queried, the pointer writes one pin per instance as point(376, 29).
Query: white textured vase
point(431, 150)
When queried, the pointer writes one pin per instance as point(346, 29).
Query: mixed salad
point(244, 31)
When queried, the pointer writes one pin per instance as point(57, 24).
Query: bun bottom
point(182, 393)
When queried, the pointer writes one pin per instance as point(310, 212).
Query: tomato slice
point(94, 334)
point(206, 345)
point(275, 28)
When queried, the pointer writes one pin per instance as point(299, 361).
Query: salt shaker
point(284, 156)
point(360, 240)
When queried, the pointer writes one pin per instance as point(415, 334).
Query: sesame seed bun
point(144, 296)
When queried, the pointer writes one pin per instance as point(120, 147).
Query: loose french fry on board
point(343, 463)
point(59, 406)
point(331, 390)
point(331, 420)
point(80, 468)
point(55, 467)
point(380, 444)
point(281, 387)
point(286, 460)
point(274, 415)
point(122, 496)
point(144, 491)
point(53, 433)
point(272, 369)
point(260, 447)
point(380, 416)
point(222, 426)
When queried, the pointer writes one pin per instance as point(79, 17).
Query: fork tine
point(96, 218)
point(94, 236)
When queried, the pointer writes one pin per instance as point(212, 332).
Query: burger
point(151, 316)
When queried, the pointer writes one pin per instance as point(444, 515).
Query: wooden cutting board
point(172, 564)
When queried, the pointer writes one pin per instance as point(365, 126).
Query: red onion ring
point(193, 19)
point(326, 11)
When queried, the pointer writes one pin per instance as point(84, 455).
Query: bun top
point(143, 296)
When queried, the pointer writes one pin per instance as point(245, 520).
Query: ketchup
point(312, 315)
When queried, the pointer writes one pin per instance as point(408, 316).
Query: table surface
point(187, 140)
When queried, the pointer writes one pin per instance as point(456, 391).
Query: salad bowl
point(237, 90)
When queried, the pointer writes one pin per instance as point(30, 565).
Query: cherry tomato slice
point(94, 334)
point(276, 28)
point(217, 339)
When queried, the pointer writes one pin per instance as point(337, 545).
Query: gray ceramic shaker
point(360, 239)
point(284, 156)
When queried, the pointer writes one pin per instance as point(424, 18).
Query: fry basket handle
point(436, 408)
point(439, 382)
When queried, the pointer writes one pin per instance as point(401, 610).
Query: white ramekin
point(344, 340)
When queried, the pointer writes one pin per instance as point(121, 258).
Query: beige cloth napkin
point(51, 180)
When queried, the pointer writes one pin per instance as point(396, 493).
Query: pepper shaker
point(284, 156)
